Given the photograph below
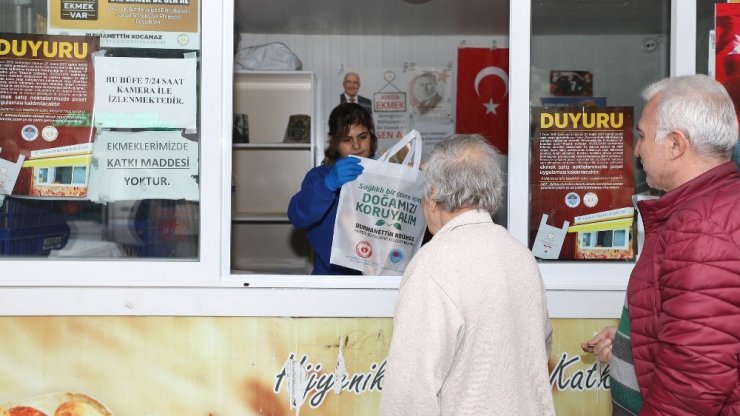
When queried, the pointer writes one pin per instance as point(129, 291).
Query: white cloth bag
point(273, 56)
point(380, 222)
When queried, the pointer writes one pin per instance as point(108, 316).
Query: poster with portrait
point(571, 83)
point(573, 101)
point(351, 84)
point(430, 92)
point(395, 107)
point(581, 183)
point(160, 24)
point(383, 91)
point(46, 104)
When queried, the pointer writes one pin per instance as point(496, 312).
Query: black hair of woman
point(341, 120)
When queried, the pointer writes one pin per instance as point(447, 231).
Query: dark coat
point(363, 101)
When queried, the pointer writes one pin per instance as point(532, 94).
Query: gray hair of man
point(464, 171)
point(700, 108)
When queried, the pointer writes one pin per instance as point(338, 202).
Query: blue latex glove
point(343, 171)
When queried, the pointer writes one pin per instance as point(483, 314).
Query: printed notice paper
point(145, 93)
point(161, 24)
point(46, 101)
point(144, 165)
point(581, 183)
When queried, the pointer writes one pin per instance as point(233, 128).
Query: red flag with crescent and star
point(483, 94)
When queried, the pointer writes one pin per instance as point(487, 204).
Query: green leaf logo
point(397, 226)
point(380, 222)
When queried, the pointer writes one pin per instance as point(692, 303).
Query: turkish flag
point(727, 46)
point(483, 94)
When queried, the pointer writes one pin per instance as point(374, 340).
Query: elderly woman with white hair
point(471, 331)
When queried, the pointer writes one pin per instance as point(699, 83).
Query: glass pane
point(589, 63)
point(586, 240)
point(63, 175)
point(79, 174)
point(619, 238)
point(43, 175)
point(99, 129)
point(605, 238)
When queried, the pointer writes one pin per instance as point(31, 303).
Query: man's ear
point(678, 144)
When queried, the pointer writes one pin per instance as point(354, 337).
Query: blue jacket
point(314, 208)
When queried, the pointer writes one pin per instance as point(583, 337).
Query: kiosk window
point(100, 133)
point(587, 71)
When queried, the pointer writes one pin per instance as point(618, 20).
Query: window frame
point(212, 268)
point(204, 270)
point(571, 275)
point(612, 276)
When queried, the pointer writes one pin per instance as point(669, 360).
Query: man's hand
point(601, 344)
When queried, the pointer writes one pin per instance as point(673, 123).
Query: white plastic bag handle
point(415, 150)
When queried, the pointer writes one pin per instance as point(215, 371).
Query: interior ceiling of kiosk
point(448, 17)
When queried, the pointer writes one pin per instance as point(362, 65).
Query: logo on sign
point(389, 102)
point(29, 132)
point(590, 200)
point(80, 10)
point(396, 256)
point(572, 199)
point(364, 249)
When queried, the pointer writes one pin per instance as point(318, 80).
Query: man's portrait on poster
point(426, 92)
point(351, 84)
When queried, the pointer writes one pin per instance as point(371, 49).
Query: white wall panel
point(621, 68)
point(329, 56)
